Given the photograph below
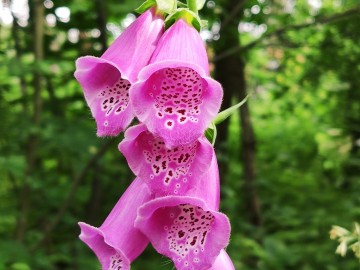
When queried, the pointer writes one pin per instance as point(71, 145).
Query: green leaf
point(204, 23)
point(200, 4)
point(145, 6)
point(211, 133)
point(14, 163)
point(20, 266)
point(221, 117)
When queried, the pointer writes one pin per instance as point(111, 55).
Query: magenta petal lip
point(184, 229)
point(117, 242)
point(108, 256)
point(166, 171)
point(106, 80)
point(106, 93)
point(175, 102)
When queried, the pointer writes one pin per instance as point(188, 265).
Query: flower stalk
point(192, 5)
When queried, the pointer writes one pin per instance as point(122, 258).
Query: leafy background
point(290, 160)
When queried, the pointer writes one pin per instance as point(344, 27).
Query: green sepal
point(185, 14)
point(163, 6)
point(229, 111)
point(200, 4)
point(181, 4)
point(211, 133)
point(166, 6)
point(145, 6)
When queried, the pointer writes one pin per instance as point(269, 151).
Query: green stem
point(192, 6)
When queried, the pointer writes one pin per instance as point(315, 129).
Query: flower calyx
point(162, 6)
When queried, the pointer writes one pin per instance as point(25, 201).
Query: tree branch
point(75, 184)
point(276, 33)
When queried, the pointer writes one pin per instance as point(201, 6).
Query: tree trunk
point(15, 34)
point(352, 126)
point(93, 206)
point(31, 155)
point(95, 201)
point(101, 20)
point(230, 72)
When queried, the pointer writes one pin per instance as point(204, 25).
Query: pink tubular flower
point(188, 229)
point(166, 171)
point(117, 242)
point(223, 262)
point(106, 80)
point(175, 97)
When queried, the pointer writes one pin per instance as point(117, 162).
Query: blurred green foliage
point(304, 88)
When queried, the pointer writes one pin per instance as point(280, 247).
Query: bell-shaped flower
point(188, 229)
point(166, 171)
point(117, 242)
point(175, 97)
point(106, 80)
point(223, 262)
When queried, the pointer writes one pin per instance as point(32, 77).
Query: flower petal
point(109, 257)
point(188, 229)
point(181, 42)
point(223, 262)
point(184, 229)
point(132, 50)
point(106, 80)
point(166, 171)
point(207, 187)
point(175, 97)
point(117, 242)
point(106, 93)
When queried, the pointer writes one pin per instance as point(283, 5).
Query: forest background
point(289, 160)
